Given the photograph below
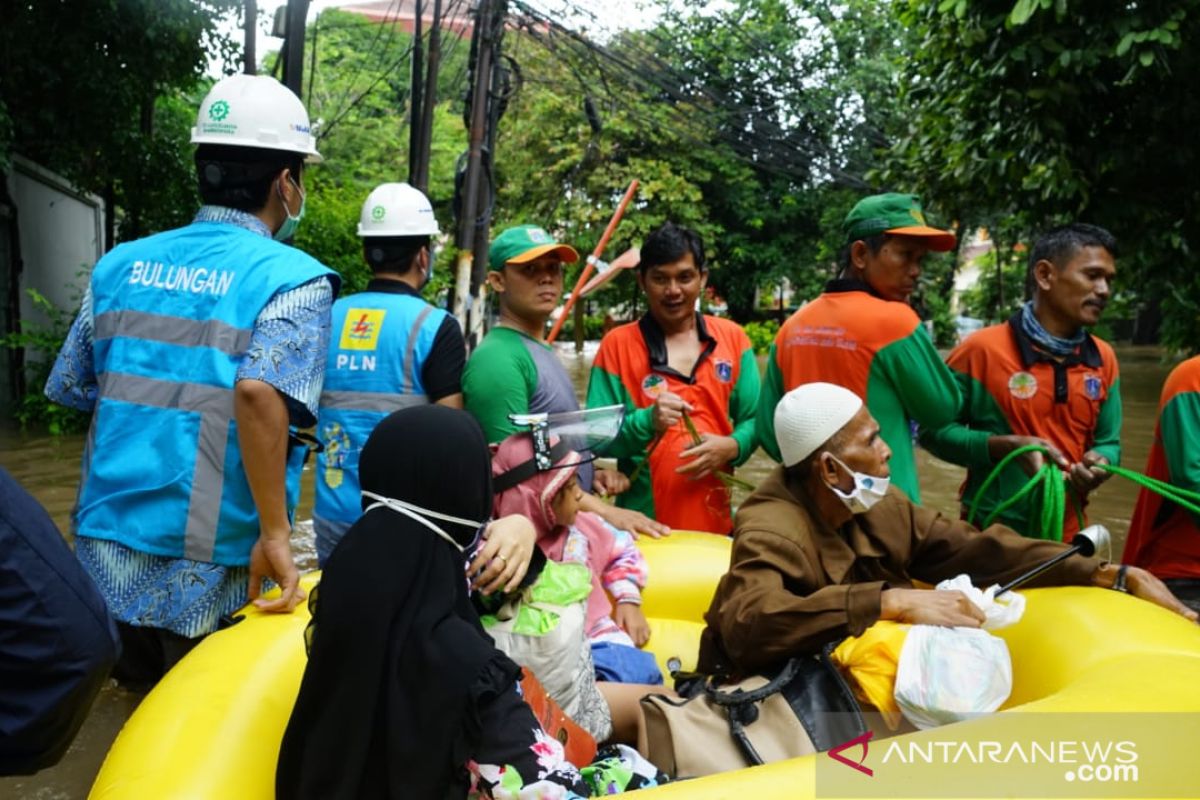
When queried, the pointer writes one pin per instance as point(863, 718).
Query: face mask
point(428, 271)
point(868, 490)
point(288, 228)
point(422, 515)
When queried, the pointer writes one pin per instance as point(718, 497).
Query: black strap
point(527, 469)
point(816, 692)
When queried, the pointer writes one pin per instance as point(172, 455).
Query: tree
point(1046, 111)
point(101, 92)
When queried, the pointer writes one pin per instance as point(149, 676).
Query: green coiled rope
point(1054, 486)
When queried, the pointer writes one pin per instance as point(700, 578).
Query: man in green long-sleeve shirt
point(862, 334)
point(1040, 378)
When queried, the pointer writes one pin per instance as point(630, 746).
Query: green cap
point(523, 243)
point(898, 214)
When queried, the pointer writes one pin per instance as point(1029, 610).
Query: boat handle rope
point(1054, 492)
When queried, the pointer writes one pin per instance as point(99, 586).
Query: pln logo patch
point(361, 329)
point(1092, 386)
point(1022, 385)
point(653, 385)
point(724, 370)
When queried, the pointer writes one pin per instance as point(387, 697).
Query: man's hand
point(272, 558)
point(1143, 584)
point(930, 607)
point(668, 411)
point(630, 618)
point(504, 558)
point(1000, 446)
point(609, 482)
point(1085, 476)
point(711, 454)
point(627, 519)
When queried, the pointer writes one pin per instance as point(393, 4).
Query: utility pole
point(419, 177)
point(293, 46)
point(249, 58)
point(415, 94)
point(472, 231)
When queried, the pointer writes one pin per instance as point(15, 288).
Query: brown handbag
point(805, 708)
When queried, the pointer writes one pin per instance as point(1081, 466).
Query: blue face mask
point(288, 229)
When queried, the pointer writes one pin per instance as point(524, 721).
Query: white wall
point(62, 236)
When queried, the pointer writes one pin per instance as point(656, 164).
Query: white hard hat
point(255, 111)
point(808, 415)
point(397, 209)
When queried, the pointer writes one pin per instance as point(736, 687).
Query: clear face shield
point(554, 435)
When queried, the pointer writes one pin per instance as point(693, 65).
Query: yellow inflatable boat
point(213, 726)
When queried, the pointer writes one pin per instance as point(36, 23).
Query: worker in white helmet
point(390, 350)
point(198, 350)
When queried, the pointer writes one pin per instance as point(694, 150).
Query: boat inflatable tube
point(213, 726)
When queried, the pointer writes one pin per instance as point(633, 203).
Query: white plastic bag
point(950, 674)
point(1000, 613)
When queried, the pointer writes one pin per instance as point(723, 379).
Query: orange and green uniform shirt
point(877, 349)
point(1009, 386)
point(1164, 538)
point(631, 369)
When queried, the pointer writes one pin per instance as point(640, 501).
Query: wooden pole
point(590, 266)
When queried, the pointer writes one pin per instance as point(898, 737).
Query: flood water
point(49, 468)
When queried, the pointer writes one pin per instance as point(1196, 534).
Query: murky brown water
point(49, 468)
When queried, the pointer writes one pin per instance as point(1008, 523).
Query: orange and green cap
point(898, 214)
point(523, 243)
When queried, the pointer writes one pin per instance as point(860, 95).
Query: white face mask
point(868, 490)
point(422, 515)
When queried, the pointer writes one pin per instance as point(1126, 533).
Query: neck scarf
point(1055, 345)
point(398, 663)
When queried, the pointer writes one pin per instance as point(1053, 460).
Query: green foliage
point(41, 344)
point(93, 91)
point(983, 300)
point(1041, 112)
point(361, 96)
point(762, 334)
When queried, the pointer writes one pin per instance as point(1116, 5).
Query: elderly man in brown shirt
point(824, 548)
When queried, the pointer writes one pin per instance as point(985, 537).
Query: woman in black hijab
point(403, 688)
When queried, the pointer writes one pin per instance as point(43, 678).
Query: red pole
point(592, 259)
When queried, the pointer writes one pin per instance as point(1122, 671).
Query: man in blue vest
point(197, 350)
point(390, 350)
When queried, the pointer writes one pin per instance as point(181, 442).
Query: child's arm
point(626, 572)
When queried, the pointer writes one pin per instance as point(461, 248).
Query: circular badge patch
point(654, 385)
point(1022, 385)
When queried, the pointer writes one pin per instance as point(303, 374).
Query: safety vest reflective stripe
point(215, 406)
point(406, 368)
point(383, 402)
point(173, 330)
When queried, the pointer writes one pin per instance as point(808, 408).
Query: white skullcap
point(808, 415)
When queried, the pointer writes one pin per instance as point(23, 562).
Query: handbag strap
point(740, 696)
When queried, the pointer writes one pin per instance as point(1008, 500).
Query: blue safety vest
point(172, 319)
point(378, 346)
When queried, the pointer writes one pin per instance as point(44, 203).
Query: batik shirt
point(181, 595)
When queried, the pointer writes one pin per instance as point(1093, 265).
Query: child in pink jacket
point(550, 499)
